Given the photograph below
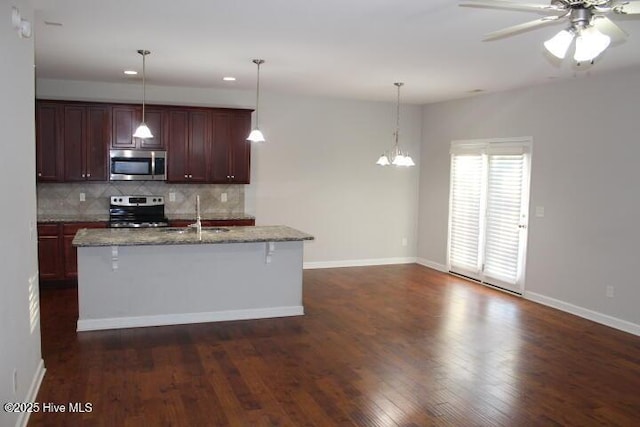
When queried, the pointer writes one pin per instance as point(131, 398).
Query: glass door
point(488, 211)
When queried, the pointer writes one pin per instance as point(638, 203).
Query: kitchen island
point(151, 277)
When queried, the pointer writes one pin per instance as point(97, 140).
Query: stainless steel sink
point(214, 229)
point(175, 230)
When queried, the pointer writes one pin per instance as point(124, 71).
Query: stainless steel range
point(137, 212)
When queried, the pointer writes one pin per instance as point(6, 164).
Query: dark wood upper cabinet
point(220, 147)
point(231, 152)
point(86, 140)
point(49, 154)
point(240, 160)
point(127, 118)
point(199, 128)
point(188, 149)
point(177, 155)
point(205, 145)
point(97, 143)
point(156, 121)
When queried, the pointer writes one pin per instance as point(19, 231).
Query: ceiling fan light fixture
point(559, 44)
point(590, 43)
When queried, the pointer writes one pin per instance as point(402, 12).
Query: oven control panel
point(137, 200)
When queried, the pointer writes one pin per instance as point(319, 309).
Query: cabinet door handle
point(233, 177)
point(88, 175)
point(83, 175)
point(186, 176)
point(39, 173)
point(190, 176)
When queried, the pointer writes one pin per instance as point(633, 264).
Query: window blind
point(466, 204)
point(504, 196)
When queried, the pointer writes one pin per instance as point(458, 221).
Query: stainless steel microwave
point(137, 165)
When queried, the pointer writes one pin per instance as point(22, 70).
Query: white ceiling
point(344, 48)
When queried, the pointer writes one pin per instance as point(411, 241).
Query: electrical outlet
point(223, 197)
point(610, 291)
point(540, 211)
point(83, 197)
point(172, 197)
point(404, 241)
point(15, 381)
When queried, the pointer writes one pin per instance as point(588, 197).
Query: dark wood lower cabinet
point(57, 257)
point(50, 252)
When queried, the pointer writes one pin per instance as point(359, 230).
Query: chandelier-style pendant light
point(256, 134)
point(143, 130)
point(397, 156)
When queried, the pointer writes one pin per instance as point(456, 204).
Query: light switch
point(82, 197)
point(223, 197)
point(540, 211)
point(172, 197)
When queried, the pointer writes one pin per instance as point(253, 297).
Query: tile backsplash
point(64, 199)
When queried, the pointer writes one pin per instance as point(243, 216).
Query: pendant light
point(397, 156)
point(143, 131)
point(256, 135)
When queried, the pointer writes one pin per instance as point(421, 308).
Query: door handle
point(522, 226)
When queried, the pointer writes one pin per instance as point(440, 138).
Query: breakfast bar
point(164, 276)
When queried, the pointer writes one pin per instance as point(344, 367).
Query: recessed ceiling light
point(130, 72)
point(53, 24)
point(229, 79)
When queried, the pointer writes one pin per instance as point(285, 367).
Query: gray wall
point(317, 171)
point(584, 173)
point(20, 346)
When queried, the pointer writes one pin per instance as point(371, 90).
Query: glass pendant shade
point(383, 161)
point(398, 160)
point(143, 132)
point(409, 161)
point(559, 44)
point(256, 136)
point(589, 44)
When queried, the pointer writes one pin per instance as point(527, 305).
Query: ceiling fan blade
point(522, 27)
point(503, 4)
point(608, 27)
point(627, 8)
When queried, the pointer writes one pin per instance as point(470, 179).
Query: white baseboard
point(186, 318)
point(432, 264)
point(595, 316)
point(357, 263)
point(32, 393)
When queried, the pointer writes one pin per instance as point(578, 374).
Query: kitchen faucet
point(198, 224)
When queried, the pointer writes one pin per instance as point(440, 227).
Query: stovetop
point(137, 212)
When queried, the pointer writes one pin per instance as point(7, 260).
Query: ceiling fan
point(587, 23)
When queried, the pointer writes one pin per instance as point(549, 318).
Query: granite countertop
point(105, 217)
point(74, 218)
point(186, 236)
point(210, 216)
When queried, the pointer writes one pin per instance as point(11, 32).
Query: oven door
point(134, 165)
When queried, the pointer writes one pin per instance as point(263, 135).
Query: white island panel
point(152, 285)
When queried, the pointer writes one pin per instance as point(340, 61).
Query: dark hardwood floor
point(379, 346)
